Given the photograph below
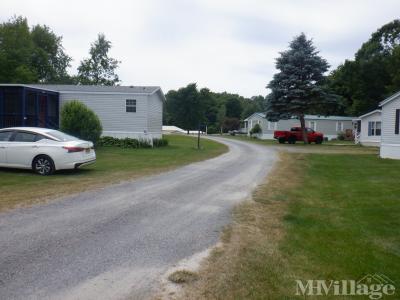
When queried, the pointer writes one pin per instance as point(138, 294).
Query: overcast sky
point(225, 45)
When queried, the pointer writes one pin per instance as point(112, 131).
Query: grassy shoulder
point(22, 187)
point(318, 217)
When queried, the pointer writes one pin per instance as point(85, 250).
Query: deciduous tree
point(99, 68)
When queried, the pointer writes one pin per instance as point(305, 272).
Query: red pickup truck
point(295, 134)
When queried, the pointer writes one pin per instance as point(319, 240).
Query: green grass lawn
point(320, 216)
point(22, 187)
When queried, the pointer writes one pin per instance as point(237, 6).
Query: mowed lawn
point(320, 216)
point(22, 187)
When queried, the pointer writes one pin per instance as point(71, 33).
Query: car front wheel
point(318, 140)
point(43, 165)
point(281, 140)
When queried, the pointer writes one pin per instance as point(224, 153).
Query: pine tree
point(298, 88)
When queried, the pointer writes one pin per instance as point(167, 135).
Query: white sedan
point(43, 150)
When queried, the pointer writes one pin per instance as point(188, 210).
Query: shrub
point(341, 136)
point(212, 129)
point(256, 129)
point(80, 121)
point(131, 143)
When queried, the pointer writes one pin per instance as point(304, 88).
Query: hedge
point(107, 141)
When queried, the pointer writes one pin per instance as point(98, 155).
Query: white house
point(124, 111)
point(390, 142)
point(330, 126)
point(369, 128)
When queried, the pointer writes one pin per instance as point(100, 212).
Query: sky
point(225, 45)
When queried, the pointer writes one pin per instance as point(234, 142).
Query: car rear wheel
point(281, 140)
point(292, 140)
point(318, 140)
point(43, 165)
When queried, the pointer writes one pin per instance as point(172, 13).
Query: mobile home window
point(130, 105)
point(378, 128)
point(374, 128)
point(313, 125)
point(272, 125)
point(339, 126)
point(397, 122)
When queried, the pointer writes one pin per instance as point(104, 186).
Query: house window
point(312, 125)
point(374, 128)
point(130, 105)
point(272, 125)
point(378, 128)
point(397, 122)
point(339, 126)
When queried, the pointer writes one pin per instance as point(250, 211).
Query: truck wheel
point(292, 140)
point(281, 140)
point(318, 140)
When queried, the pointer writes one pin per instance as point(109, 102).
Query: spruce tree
point(298, 88)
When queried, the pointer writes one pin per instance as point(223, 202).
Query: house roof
point(370, 113)
point(260, 114)
point(389, 99)
point(92, 88)
point(333, 118)
point(309, 117)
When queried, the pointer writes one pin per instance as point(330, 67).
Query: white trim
point(370, 113)
point(389, 99)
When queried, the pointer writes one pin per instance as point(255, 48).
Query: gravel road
point(116, 242)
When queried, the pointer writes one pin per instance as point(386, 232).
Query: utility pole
point(198, 138)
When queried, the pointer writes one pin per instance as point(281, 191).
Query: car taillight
point(74, 149)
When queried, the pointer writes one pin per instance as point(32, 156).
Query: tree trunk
point(303, 129)
point(188, 131)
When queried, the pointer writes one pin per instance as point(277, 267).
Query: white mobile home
point(330, 126)
point(369, 128)
point(124, 111)
point(390, 143)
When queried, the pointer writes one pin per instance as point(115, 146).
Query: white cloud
point(224, 45)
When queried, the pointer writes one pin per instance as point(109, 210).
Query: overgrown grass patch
point(320, 216)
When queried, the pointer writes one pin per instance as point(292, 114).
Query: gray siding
point(388, 122)
point(155, 111)
point(111, 109)
point(328, 127)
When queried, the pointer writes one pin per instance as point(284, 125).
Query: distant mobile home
point(390, 142)
point(368, 128)
point(330, 126)
point(124, 111)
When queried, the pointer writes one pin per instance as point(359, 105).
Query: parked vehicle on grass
point(295, 134)
point(43, 150)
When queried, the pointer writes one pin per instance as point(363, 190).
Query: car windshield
point(61, 136)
